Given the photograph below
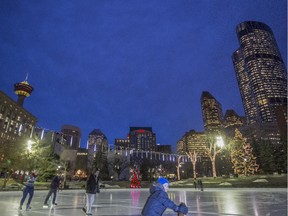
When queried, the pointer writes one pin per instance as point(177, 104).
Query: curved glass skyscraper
point(260, 71)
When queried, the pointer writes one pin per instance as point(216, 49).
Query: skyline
point(132, 64)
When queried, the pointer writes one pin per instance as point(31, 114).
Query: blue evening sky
point(112, 64)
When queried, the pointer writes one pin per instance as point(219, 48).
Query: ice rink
point(124, 202)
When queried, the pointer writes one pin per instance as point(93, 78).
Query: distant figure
point(92, 187)
point(60, 188)
point(158, 200)
point(53, 190)
point(200, 184)
point(195, 184)
point(29, 189)
point(135, 178)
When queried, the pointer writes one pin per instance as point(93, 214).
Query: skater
point(200, 184)
point(29, 189)
point(92, 187)
point(158, 200)
point(195, 184)
point(53, 189)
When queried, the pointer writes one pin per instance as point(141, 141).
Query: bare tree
point(215, 144)
point(193, 158)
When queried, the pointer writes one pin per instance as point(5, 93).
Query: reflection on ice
point(125, 202)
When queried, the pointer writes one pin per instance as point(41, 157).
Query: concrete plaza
point(124, 202)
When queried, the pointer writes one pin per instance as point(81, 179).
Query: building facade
point(72, 135)
point(211, 112)
point(142, 138)
point(192, 141)
point(97, 141)
point(260, 72)
point(15, 121)
point(121, 144)
point(164, 148)
point(233, 120)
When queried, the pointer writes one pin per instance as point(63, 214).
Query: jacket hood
point(156, 187)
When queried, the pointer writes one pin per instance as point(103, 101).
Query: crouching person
point(158, 200)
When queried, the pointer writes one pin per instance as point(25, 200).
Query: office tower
point(142, 138)
point(121, 144)
point(192, 141)
point(97, 141)
point(23, 90)
point(233, 120)
point(72, 135)
point(211, 112)
point(260, 72)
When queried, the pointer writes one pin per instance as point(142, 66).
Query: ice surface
point(124, 202)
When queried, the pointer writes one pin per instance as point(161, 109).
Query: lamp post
point(29, 145)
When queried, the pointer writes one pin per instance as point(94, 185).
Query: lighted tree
point(193, 158)
point(214, 147)
point(244, 162)
point(10, 158)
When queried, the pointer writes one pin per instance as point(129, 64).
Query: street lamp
point(219, 141)
point(29, 145)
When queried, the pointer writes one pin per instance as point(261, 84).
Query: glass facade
point(142, 138)
point(211, 112)
point(260, 72)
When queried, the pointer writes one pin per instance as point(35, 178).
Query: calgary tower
point(23, 90)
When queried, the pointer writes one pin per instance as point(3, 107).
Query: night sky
point(112, 64)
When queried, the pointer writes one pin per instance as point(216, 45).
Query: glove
point(183, 208)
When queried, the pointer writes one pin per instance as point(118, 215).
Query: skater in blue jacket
point(158, 200)
point(29, 189)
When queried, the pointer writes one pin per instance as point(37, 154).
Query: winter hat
point(162, 180)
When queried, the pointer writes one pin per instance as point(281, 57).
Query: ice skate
point(45, 205)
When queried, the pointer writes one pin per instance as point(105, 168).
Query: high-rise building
point(260, 72)
point(97, 141)
point(121, 144)
point(142, 138)
point(211, 112)
point(72, 135)
point(233, 120)
point(193, 141)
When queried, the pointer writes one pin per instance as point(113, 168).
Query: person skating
point(53, 190)
point(29, 189)
point(158, 200)
point(92, 187)
point(200, 183)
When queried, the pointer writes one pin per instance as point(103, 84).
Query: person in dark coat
point(53, 190)
point(200, 183)
point(92, 187)
point(29, 189)
point(158, 200)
